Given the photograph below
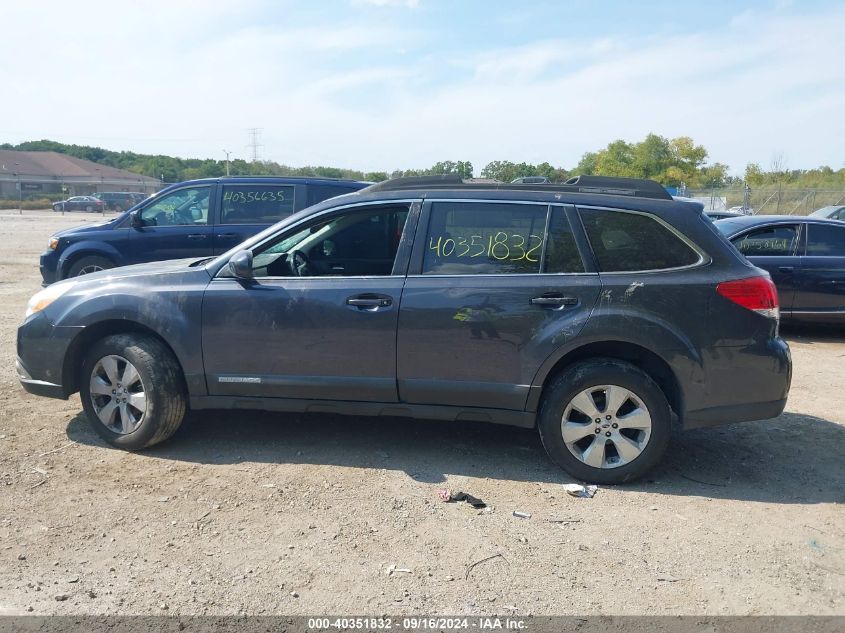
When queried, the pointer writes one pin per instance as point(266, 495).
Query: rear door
point(492, 287)
point(774, 247)
point(821, 285)
point(174, 226)
point(246, 209)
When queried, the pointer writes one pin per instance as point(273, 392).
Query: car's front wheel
point(89, 264)
point(605, 421)
point(132, 390)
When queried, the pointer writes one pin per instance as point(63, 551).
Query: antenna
point(255, 144)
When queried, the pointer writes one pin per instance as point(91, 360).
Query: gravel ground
point(245, 513)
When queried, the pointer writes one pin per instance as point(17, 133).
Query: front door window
point(184, 207)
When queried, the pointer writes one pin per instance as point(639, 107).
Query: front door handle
point(786, 269)
point(227, 235)
point(369, 302)
point(197, 236)
point(555, 302)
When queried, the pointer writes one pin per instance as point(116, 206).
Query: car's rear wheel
point(605, 421)
point(57, 207)
point(132, 391)
point(89, 264)
point(89, 208)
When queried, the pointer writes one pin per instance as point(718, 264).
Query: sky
point(400, 84)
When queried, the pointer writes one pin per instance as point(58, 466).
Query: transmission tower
point(255, 142)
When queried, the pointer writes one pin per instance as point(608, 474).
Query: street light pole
point(227, 152)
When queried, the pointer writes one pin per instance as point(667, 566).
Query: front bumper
point(42, 351)
point(38, 387)
point(49, 267)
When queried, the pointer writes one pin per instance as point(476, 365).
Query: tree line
point(671, 162)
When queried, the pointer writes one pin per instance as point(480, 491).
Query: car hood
point(149, 269)
point(87, 228)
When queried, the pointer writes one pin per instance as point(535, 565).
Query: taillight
point(755, 293)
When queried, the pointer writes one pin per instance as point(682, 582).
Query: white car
point(834, 213)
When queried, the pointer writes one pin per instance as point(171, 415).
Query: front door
point(496, 286)
point(319, 319)
point(176, 225)
point(774, 249)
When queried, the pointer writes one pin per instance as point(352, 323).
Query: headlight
point(41, 300)
point(53, 243)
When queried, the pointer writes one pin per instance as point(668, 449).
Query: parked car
point(79, 203)
point(197, 218)
point(590, 316)
point(721, 215)
point(834, 213)
point(531, 180)
point(805, 257)
point(120, 200)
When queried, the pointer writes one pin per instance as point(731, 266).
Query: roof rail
point(417, 182)
point(607, 185)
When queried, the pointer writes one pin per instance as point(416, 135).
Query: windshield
point(824, 212)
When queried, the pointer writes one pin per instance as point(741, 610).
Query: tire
point(89, 208)
point(640, 448)
point(161, 385)
point(89, 264)
point(57, 207)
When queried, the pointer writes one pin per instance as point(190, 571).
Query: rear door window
point(768, 241)
point(826, 241)
point(256, 204)
point(480, 238)
point(318, 193)
point(624, 241)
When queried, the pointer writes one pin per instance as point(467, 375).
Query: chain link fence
point(769, 199)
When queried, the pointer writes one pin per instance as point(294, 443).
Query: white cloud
point(171, 77)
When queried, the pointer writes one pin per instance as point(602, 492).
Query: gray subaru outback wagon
point(596, 310)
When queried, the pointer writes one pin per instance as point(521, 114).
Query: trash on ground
point(522, 515)
point(393, 569)
point(668, 578)
point(483, 560)
point(577, 490)
point(556, 520)
point(447, 496)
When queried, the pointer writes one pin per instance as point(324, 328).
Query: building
point(32, 174)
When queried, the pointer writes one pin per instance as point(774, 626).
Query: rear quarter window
point(256, 204)
point(624, 241)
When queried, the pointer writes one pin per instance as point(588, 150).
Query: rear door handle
point(786, 269)
point(197, 236)
point(369, 302)
point(554, 301)
point(227, 235)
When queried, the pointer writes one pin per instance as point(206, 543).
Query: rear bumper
point(743, 384)
point(715, 416)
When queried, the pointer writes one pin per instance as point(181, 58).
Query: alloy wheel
point(118, 394)
point(606, 426)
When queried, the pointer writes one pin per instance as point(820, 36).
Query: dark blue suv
point(592, 310)
point(197, 218)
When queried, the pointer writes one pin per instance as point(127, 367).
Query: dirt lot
point(251, 513)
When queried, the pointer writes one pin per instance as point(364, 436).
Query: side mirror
point(135, 220)
point(240, 265)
